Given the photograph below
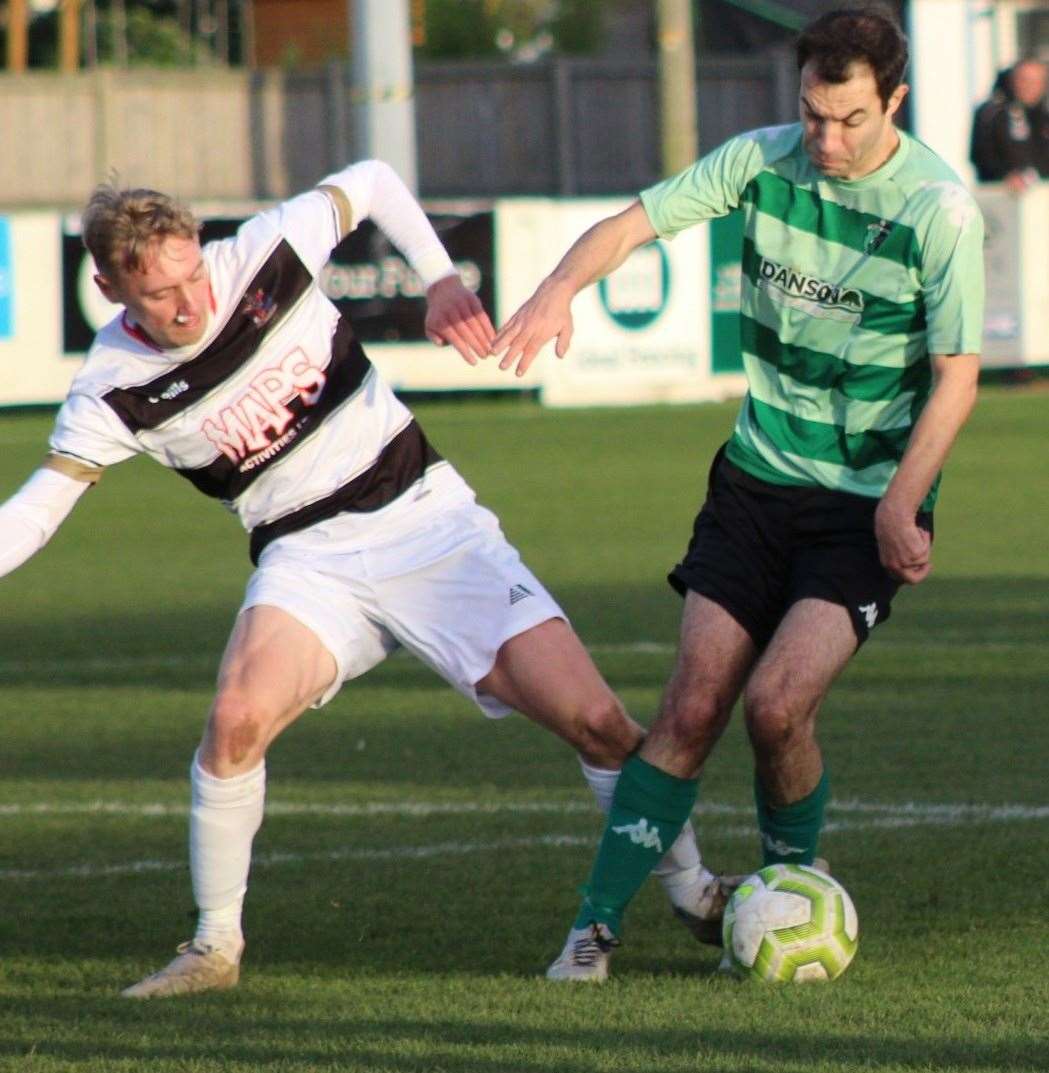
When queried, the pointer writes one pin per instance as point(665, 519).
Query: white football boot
point(199, 966)
point(704, 917)
point(585, 956)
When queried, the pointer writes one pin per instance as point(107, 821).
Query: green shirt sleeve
point(952, 271)
point(714, 185)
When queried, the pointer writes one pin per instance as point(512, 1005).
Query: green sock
point(791, 832)
point(648, 811)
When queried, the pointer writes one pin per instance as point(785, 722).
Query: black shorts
point(758, 548)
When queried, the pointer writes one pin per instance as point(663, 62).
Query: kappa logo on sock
point(641, 834)
point(777, 845)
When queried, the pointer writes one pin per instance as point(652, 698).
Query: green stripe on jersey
point(817, 369)
point(807, 210)
point(829, 443)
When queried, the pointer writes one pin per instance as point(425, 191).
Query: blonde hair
point(119, 226)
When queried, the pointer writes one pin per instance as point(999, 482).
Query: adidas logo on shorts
point(519, 593)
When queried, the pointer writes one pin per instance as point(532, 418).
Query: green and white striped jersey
point(848, 287)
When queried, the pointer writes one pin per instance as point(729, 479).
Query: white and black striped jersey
point(277, 412)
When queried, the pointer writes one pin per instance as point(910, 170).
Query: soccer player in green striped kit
point(862, 309)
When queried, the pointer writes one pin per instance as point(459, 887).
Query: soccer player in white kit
point(229, 366)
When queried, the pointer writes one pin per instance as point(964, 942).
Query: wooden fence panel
point(562, 127)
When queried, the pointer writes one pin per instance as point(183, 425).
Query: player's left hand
point(905, 549)
point(454, 315)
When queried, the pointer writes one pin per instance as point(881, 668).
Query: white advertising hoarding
point(33, 368)
point(1016, 324)
point(640, 336)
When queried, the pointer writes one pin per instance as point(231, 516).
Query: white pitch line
point(894, 817)
point(905, 810)
point(209, 660)
point(398, 853)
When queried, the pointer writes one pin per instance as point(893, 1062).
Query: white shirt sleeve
point(311, 221)
point(377, 192)
point(87, 430)
point(30, 517)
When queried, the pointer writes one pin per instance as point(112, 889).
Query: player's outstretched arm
point(905, 549)
point(547, 314)
point(372, 189)
point(30, 517)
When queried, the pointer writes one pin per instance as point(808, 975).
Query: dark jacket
point(1008, 137)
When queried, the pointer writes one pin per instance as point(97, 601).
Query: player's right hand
point(905, 549)
point(546, 315)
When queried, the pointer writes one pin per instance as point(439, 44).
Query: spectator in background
point(1010, 139)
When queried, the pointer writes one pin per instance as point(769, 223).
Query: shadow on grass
point(181, 645)
point(373, 1044)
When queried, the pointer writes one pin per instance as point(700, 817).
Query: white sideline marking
point(210, 660)
point(907, 812)
point(873, 817)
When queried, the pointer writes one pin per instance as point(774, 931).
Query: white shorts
point(452, 592)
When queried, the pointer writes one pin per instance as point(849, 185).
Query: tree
point(521, 29)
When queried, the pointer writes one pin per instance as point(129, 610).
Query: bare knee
point(237, 734)
point(776, 727)
point(689, 725)
point(602, 732)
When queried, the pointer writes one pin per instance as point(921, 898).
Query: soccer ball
point(790, 922)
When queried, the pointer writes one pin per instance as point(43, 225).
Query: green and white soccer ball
point(790, 922)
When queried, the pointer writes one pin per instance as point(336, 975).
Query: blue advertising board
point(6, 281)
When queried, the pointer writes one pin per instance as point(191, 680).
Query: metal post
point(383, 87)
point(677, 85)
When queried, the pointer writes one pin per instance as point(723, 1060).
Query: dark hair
point(869, 34)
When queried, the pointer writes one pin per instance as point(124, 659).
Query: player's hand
point(905, 549)
point(455, 316)
point(545, 316)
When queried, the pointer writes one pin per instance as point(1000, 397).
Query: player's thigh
point(275, 661)
point(274, 667)
point(547, 674)
point(715, 654)
point(455, 595)
point(811, 647)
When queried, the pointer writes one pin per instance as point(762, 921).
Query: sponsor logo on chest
point(257, 425)
point(814, 295)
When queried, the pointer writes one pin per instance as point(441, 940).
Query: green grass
point(364, 956)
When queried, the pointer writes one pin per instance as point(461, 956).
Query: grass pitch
point(418, 866)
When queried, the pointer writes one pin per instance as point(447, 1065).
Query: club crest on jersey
point(814, 295)
point(876, 236)
point(259, 306)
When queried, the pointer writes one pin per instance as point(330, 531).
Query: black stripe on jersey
point(268, 298)
point(399, 465)
point(226, 479)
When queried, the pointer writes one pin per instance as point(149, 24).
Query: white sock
point(681, 870)
point(224, 816)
